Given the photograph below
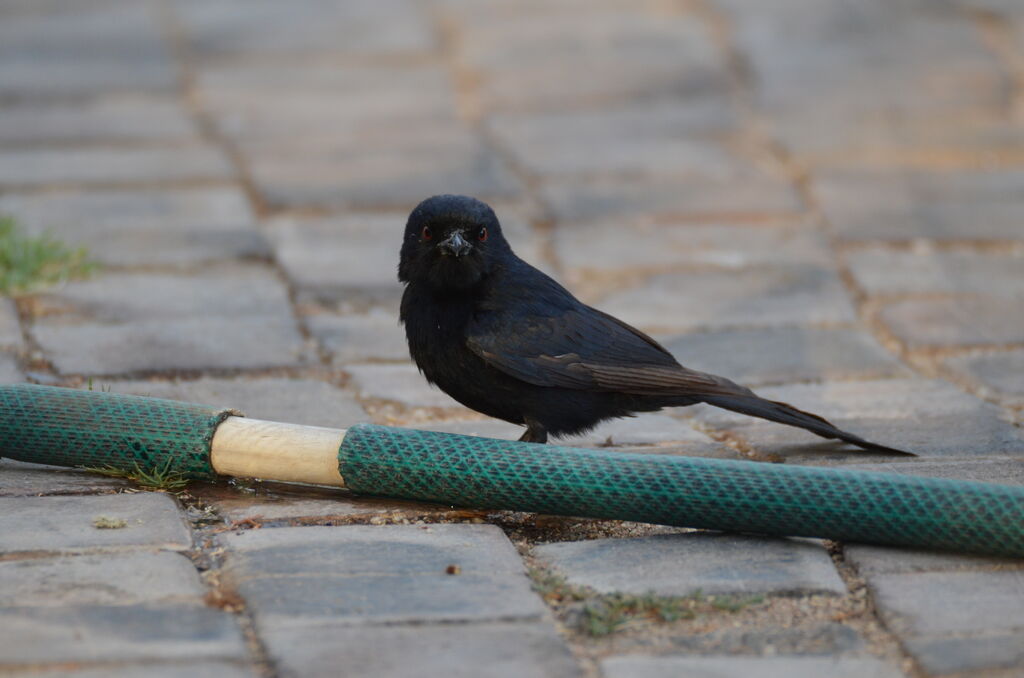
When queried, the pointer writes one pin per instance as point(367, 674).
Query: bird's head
point(451, 243)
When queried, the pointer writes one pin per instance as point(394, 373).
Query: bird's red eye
point(482, 235)
point(426, 233)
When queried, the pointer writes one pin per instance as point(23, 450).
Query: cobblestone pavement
point(824, 200)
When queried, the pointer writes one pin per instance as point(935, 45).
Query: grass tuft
point(29, 263)
point(155, 478)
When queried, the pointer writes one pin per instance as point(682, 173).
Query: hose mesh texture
point(740, 496)
point(70, 427)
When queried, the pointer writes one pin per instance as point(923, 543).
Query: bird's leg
point(535, 433)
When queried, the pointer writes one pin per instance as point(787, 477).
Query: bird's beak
point(455, 245)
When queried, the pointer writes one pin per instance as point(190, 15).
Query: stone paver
point(626, 244)
point(960, 321)
point(309, 575)
point(10, 326)
point(19, 479)
point(65, 524)
point(640, 666)
point(502, 650)
point(943, 206)
point(970, 601)
point(108, 579)
point(948, 655)
point(39, 168)
point(358, 176)
point(998, 374)
point(785, 354)
point(748, 297)
point(176, 227)
point(278, 502)
point(568, 58)
point(880, 271)
point(585, 199)
point(343, 256)
point(870, 560)
point(184, 669)
point(364, 27)
point(232, 316)
point(297, 401)
point(375, 335)
point(115, 119)
point(683, 564)
point(591, 143)
point(401, 383)
point(34, 635)
point(930, 418)
point(10, 371)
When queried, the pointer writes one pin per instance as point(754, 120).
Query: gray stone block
point(176, 227)
point(970, 602)
point(350, 257)
point(897, 399)
point(103, 166)
point(1000, 375)
point(564, 59)
point(643, 140)
point(957, 205)
point(390, 176)
point(59, 79)
point(641, 666)
point(360, 574)
point(480, 550)
point(982, 432)
point(278, 502)
point(497, 650)
point(10, 370)
point(227, 291)
point(306, 600)
point(785, 354)
point(683, 564)
point(1003, 470)
point(10, 325)
point(113, 119)
point(297, 401)
point(226, 317)
point(102, 579)
point(175, 344)
point(263, 102)
point(881, 271)
point(948, 655)
point(624, 244)
point(754, 296)
point(400, 383)
point(18, 479)
point(579, 199)
point(65, 524)
point(828, 638)
point(182, 669)
point(957, 321)
point(361, 28)
point(350, 338)
point(871, 560)
point(118, 634)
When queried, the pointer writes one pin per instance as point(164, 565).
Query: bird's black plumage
point(506, 340)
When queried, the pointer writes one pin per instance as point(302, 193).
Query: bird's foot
point(534, 434)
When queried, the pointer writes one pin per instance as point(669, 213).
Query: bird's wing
point(585, 349)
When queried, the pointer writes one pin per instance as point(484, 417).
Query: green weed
point(29, 263)
point(156, 478)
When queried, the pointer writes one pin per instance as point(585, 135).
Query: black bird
point(506, 340)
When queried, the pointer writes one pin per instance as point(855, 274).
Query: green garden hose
point(83, 428)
